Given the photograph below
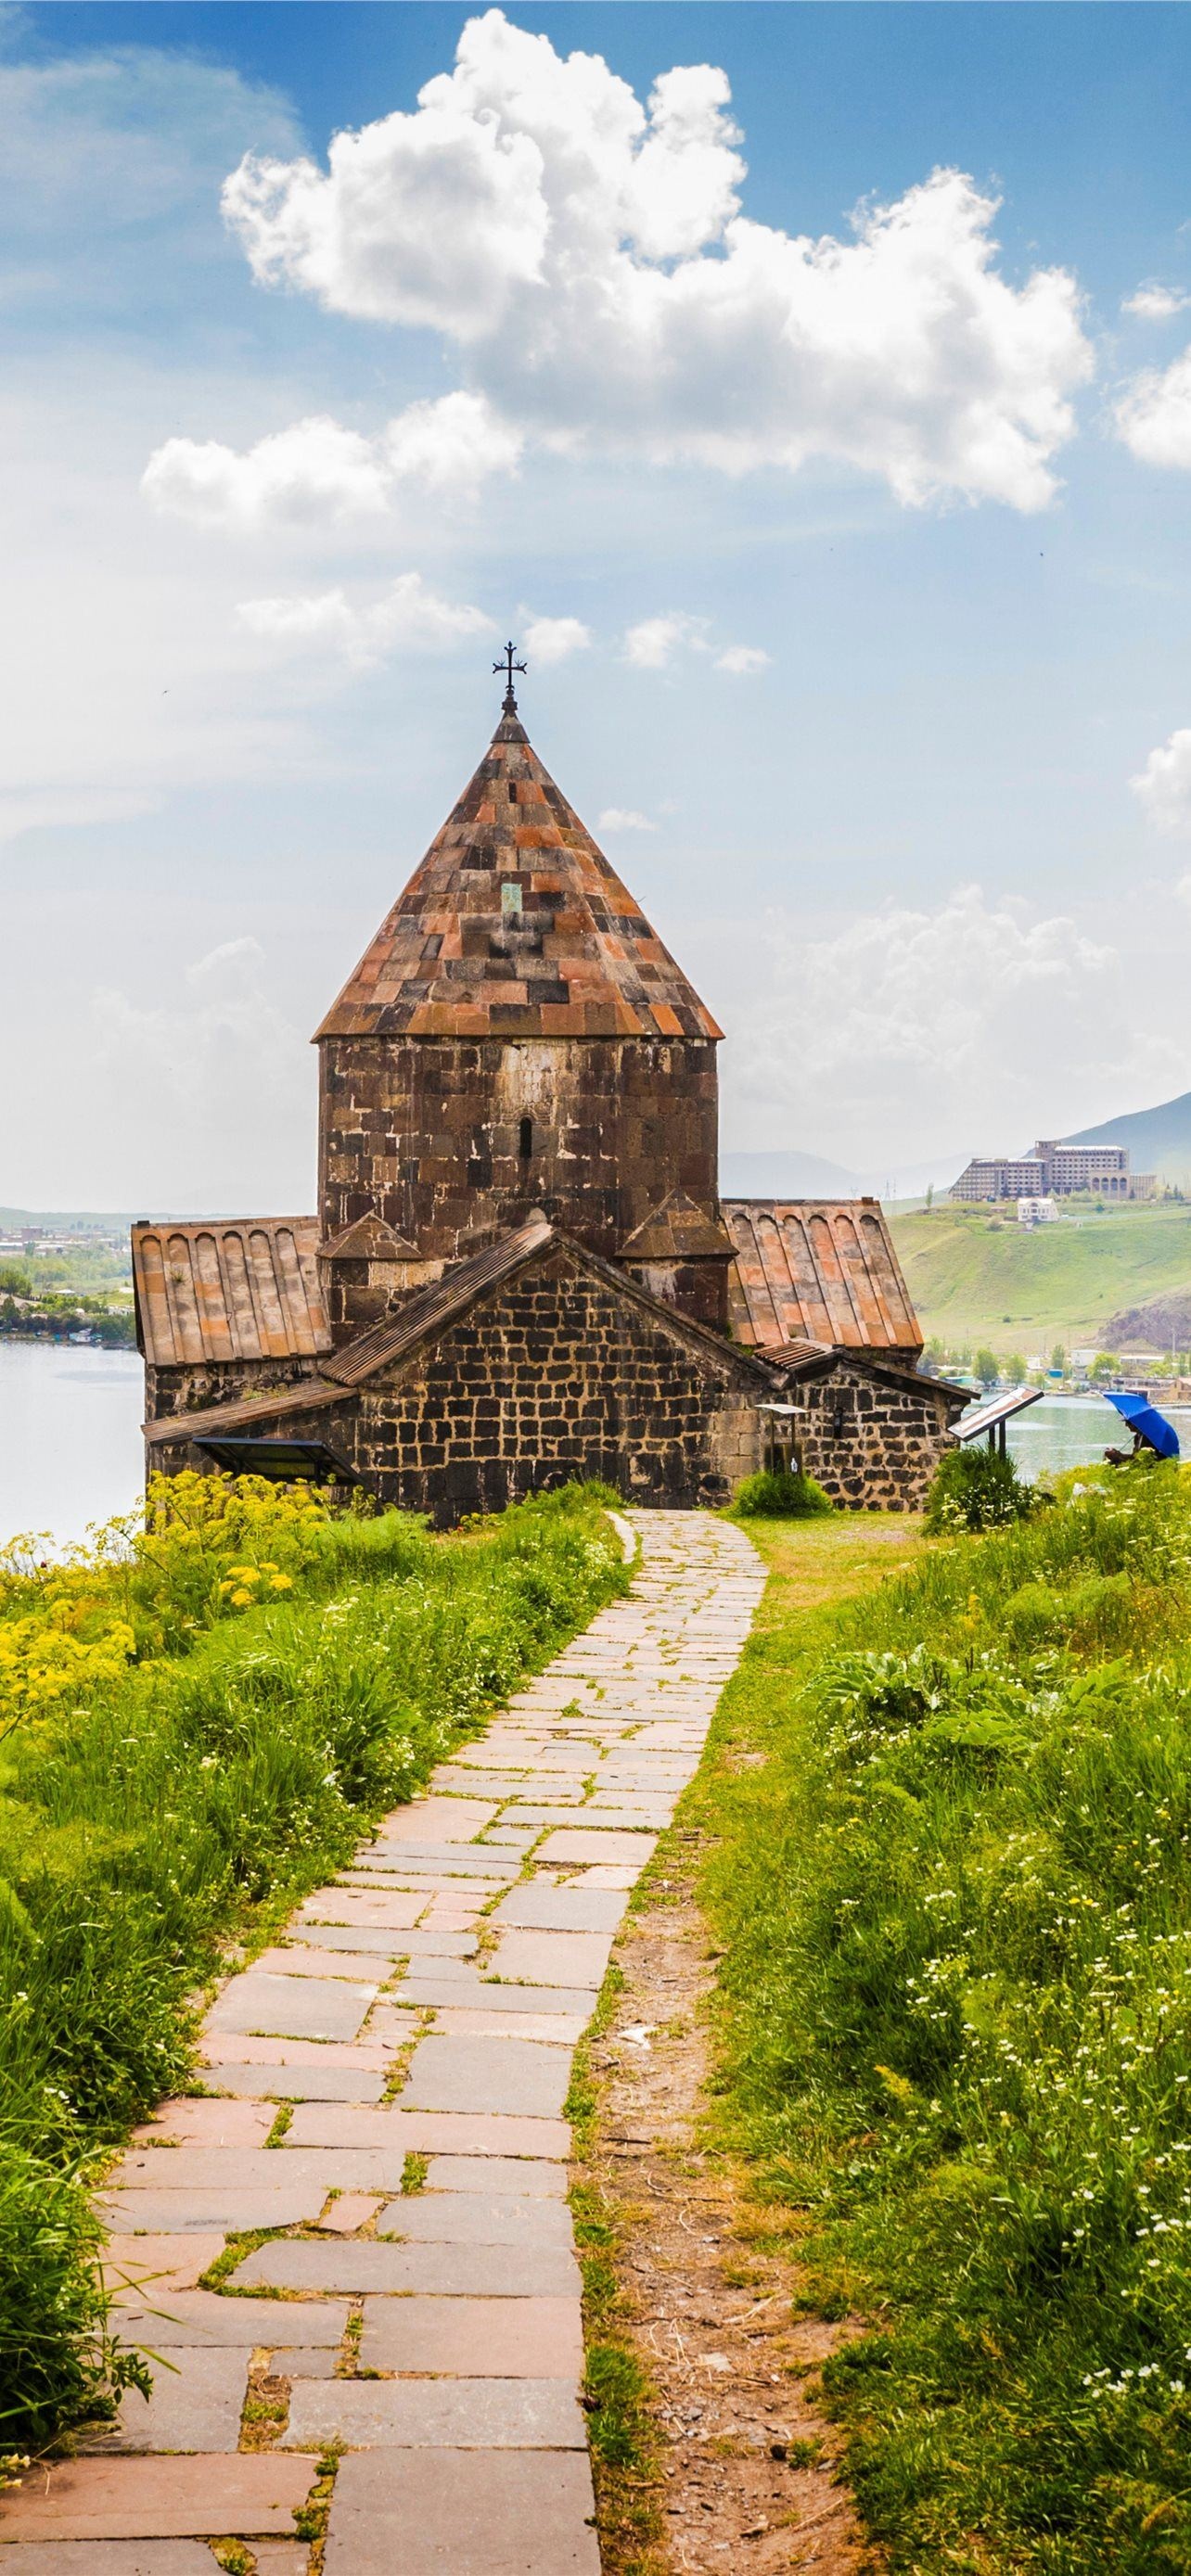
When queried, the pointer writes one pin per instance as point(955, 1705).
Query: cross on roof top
point(508, 664)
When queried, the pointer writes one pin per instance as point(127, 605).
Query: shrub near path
point(196, 1718)
point(956, 2021)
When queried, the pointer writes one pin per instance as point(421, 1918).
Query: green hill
point(1159, 1140)
point(976, 1277)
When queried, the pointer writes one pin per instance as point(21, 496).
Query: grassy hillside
point(983, 1278)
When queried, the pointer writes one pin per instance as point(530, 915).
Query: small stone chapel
point(521, 1270)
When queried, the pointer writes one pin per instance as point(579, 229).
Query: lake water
point(1075, 1430)
point(70, 1436)
point(70, 1439)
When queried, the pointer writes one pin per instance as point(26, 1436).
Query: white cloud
point(318, 473)
point(589, 257)
point(215, 1046)
point(1154, 303)
point(1153, 416)
point(742, 659)
point(652, 645)
point(979, 1021)
point(1163, 787)
point(408, 618)
point(623, 818)
point(554, 639)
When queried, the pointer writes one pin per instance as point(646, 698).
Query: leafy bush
point(974, 1488)
point(779, 1495)
point(168, 1798)
point(958, 2023)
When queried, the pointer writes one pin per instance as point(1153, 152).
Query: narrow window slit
point(525, 1142)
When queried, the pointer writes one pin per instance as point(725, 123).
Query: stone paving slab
point(465, 2133)
point(540, 1907)
point(561, 2030)
point(362, 2263)
point(463, 2513)
point(110, 2558)
point(459, 2404)
point(302, 2083)
point(476, 2218)
point(520, 2174)
point(552, 1958)
point(291, 2007)
point(460, 2338)
point(481, 1994)
point(188, 2319)
point(165, 2262)
point(196, 2403)
point(437, 2414)
point(161, 2498)
point(174, 2213)
point(516, 2075)
point(605, 1844)
point(382, 1941)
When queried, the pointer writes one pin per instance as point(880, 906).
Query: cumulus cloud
point(1154, 303)
point(932, 1022)
point(742, 659)
point(652, 645)
point(554, 639)
point(317, 473)
point(228, 1044)
point(590, 259)
point(623, 818)
point(1163, 787)
point(1153, 416)
point(407, 617)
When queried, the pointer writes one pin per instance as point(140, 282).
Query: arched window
point(525, 1141)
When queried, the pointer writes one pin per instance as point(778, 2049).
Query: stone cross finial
point(508, 665)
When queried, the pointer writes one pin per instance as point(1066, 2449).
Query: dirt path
point(741, 2467)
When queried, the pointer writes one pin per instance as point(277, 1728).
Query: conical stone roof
point(515, 925)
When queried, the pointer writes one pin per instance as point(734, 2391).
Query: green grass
point(955, 1900)
point(980, 1278)
point(191, 1795)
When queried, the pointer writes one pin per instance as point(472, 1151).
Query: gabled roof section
point(369, 1239)
point(817, 1270)
point(678, 1229)
point(431, 1309)
point(231, 1289)
point(515, 925)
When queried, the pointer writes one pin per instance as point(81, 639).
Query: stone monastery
point(521, 1270)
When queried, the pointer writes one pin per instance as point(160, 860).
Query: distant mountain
point(1159, 1140)
point(808, 1176)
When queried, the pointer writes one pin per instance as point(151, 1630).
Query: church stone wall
point(191, 1387)
point(554, 1377)
point(451, 1141)
point(872, 1445)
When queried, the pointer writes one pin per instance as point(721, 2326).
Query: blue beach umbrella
point(1142, 1416)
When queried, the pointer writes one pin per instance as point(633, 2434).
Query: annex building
point(521, 1270)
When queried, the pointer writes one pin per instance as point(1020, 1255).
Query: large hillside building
point(1052, 1169)
point(520, 1270)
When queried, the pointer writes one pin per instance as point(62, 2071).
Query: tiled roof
point(515, 925)
point(817, 1270)
point(429, 1312)
point(229, 1289)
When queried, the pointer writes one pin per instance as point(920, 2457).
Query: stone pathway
point(415, 2030)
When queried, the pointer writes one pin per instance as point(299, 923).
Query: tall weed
point(959, 2029)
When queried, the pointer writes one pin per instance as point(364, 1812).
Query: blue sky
point(852, 550)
